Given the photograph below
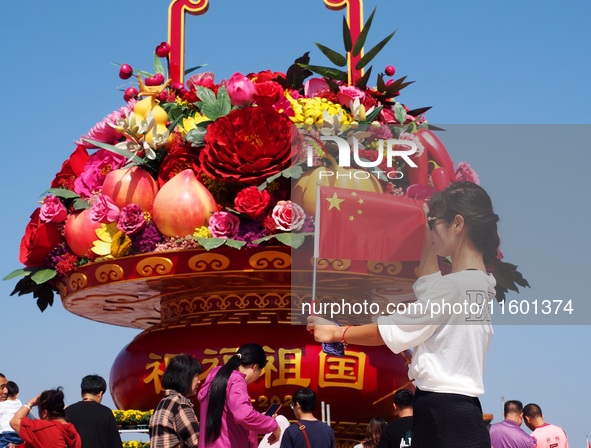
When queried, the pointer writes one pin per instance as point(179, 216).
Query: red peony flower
point(180, 157)
point(71, 169)
point(39, 240)
point(248, 145)
point(252, 202)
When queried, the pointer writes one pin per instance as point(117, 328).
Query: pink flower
point(387, 116)
point(104, 210)
point(240, 89)
point(500, 255)
point(313, 86)
point(96, 169)
point(53, 210)
point(464, 172)
point(288, 216)
point(201, 79)
point(348, 94)
point(131, 220)
point(103, 131)
point(223, 225)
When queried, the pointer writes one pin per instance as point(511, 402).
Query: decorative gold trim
point(108, 273)
point(215, 262)
point(378, 267)
point(160, 265)
point(276, 259)
point(77, 281)
point(62, 289)
point(337, 264)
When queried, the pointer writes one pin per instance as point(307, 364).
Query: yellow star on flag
point(335, 202)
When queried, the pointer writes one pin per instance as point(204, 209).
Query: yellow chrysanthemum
point(310, 111)
point(192, 122)
point(202, 232)
point(105, 234)
point(120, 245)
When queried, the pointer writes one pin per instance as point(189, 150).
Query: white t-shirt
point(450, 330)
point(7, 410)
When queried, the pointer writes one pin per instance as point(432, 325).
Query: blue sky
point(519, 69)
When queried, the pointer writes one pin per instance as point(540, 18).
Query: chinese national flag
point(361, 225)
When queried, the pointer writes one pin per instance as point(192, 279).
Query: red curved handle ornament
point(436, 151)
point(176, 33)
point(355, 20)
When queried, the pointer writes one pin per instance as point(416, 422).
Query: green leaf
point(44, 296)
point(197, 136)
point(44, 275)
point(400, 113)
point(81, 204)
point(158, 67)
point(211, 243)
point(381, 85)
point(235, 243)
point(192, 69)
point(374, 113)
point(360, 42)
point(419, 111)
point(294, 172)
point(205, 95)
point(367, 57)
point(362, 82)
point(328, 72)
point(17, 273)
point(143, 73)
point(347, 35)
point(294, 240)
point(122, 152)
point(220, 107)
point(61, 193)
point(334, 57)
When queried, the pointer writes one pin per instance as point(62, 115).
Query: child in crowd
point(7, 410)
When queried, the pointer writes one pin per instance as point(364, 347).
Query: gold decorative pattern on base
point(154, 265)
point(109, 273)
point(209, 260)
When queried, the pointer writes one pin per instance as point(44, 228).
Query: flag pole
point(316, 247)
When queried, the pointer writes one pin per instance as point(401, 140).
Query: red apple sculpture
point(131, 186)
point(182, 205)
point(80, 232)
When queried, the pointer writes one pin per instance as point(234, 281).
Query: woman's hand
point(323, 329)
point(275, 435)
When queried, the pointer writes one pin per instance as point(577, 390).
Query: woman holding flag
point(449, 348)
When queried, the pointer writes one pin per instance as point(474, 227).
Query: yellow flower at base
point(102, 246)
point(202, 232)
point(191, 123)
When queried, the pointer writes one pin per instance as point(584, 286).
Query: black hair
point(375, 428)
point(532, 410)
point(12, 388)
point(246, 355)
point(180, 372)
point(475, 206)
point(403, 398)
point(52, 401)
point(93, 384)
point(513, 407)
point(306, 398)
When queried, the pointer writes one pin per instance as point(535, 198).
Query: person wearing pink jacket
point(226, 413)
